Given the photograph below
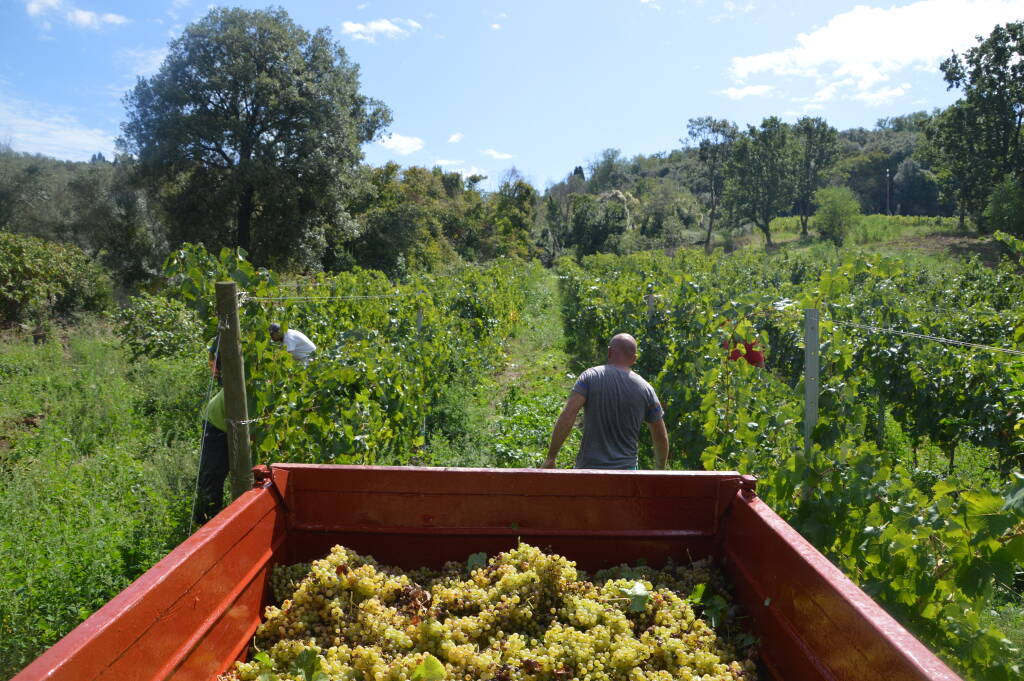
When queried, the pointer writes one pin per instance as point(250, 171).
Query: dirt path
point(529, 393)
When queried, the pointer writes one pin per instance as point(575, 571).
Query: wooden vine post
point(812, 346)
point(236, 408)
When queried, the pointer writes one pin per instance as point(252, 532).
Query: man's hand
point(563, 426)
point(659, 437)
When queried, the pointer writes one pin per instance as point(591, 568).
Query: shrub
point(41, 279)
point(1005, 210)
point(154, 326)
point(838, 211)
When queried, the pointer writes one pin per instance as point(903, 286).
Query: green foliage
point(837, 214)
point(40, 280)
point(1005, 210)
point(272, 158)
point(933, 547)
point(761, 178)
point(98, 458)
point(155, 326)
point(95, 206)
point(713, 140)
point(979, 137)
point(376, 377)
point(817, 148)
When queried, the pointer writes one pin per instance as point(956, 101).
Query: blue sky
point(542, 85)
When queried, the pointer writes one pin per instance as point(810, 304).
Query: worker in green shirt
point(213, 461)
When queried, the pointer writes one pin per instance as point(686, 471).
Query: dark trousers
point(213, 471)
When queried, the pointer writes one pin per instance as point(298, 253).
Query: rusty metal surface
point(814, 623)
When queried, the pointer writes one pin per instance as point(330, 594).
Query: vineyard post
point(236, 407)
point(419, 342)
point(812, 346)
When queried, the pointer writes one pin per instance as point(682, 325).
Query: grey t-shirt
point(618, 402)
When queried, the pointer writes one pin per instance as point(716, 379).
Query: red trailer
point(194, 613)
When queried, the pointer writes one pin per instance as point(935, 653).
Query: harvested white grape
point(522, 615)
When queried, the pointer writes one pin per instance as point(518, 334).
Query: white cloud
point(40, 129)
point(79, 17)
point(456, 137)
point(387, 28)
point(446, 162)
point(731, 9)
point(466, 171)
point(746, 91)
point(176, 6)
point(859, 50)
point(142, 62)
point(496, 27)
point(401, 145)
point(883, 95)
point(87, 19)
point(36, 7)
point(650, 3)
point(496, 154)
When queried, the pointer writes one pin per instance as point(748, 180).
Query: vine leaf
point(638, 596)
point(430, 669)
point(476, 560)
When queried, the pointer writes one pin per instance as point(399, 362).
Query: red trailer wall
point(195, 612)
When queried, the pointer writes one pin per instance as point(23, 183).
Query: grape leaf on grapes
point(307, 666)
point(697, 594)
point(476, 560)
point(638, 596)
point(430, 669)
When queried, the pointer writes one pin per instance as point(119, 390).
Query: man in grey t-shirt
point(617, 402)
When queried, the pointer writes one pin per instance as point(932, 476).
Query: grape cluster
point(523, 616)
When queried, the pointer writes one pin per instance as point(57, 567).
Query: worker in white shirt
point(295, 342)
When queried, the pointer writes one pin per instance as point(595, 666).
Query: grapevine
point(932, 549)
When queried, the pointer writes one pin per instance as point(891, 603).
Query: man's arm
point(659, 435)
point(563, 426)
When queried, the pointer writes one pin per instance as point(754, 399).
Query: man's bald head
point(622, 350)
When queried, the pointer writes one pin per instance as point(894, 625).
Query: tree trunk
point(803, 226)
point(768, 245)
point(246, 205)
point(708, 246)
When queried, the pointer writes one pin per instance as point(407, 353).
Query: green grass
point(506, 422)
point(1009, 619)
point(869, 230)
point(98, 457)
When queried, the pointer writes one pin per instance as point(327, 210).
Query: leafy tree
point(964, 172)
point(252, 123)
point(816, 151)
point(595, 220)
point(915, 189)
point(1005, 210)
point(609, 171)
point(838, 211)
point(760, 182)
point(713, 139)
point(981, 136)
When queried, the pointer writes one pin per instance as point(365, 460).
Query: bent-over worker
point(295, 342)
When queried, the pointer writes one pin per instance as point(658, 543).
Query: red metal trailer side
point(195, 612)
